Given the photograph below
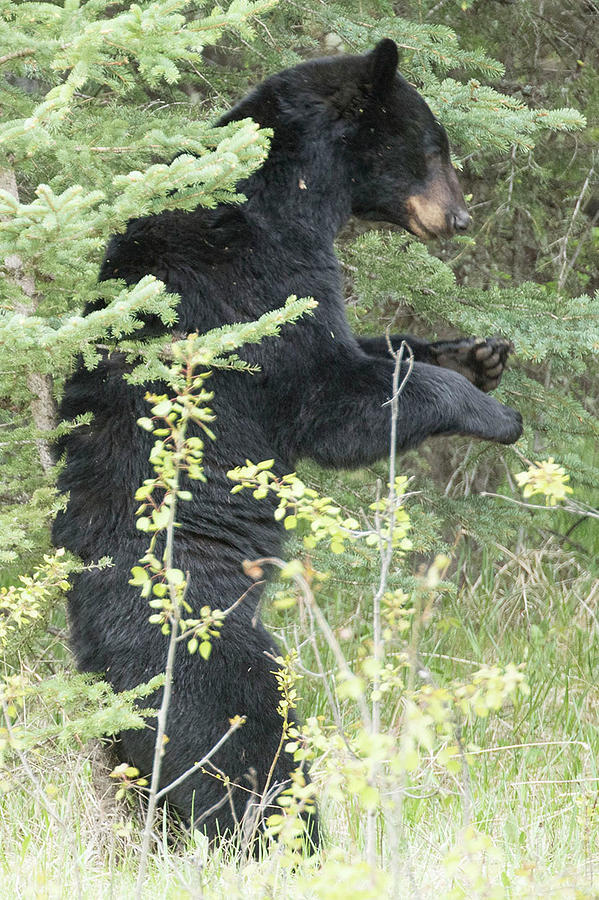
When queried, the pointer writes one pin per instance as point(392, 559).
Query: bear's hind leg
point(234, 792)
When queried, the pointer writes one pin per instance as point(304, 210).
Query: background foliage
point(97, 98)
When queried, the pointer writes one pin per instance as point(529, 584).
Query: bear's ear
point(383, 66)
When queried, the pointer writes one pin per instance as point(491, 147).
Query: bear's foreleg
point(346, 421)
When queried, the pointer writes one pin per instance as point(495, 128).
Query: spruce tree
point(93, 114)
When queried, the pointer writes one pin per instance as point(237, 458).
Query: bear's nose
point(461, 219)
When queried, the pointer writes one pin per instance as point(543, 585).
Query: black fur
point(350, 136)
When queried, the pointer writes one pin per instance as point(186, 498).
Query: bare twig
point(322, 623)
point(174, 616)
point(235, 726)
point(159, 746)
point(333, 705)
point(563, 251)
point(386, 553)
point(17, 54)
point(571, 506)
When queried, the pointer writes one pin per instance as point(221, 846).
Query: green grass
point(534, 779)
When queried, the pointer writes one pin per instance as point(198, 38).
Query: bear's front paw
point(492, 421)
point(509, 428)
point(481, 360)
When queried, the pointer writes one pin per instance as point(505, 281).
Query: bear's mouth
point(417, 228)
point(426, 218)
point(437, 211)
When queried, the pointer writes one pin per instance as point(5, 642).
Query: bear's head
point(358, 116)
point(403, 171)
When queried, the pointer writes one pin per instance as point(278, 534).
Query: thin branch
point(563, 253)
point(226, 612)
point(386, 553)
point(17, 54)
point(322, 674)
point(235, 726)
point(575, 509)
point(174, 616)
point(322, 624)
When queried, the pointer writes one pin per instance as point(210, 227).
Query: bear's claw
point(481, 360)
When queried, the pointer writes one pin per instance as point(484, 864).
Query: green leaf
point(163, 408)
point(174, 576)
point(140, 576)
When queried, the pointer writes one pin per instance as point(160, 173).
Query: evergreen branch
point(38, 343)
point(43, 405)
point(215, 349)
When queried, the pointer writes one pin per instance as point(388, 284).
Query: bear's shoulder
point(175, 239)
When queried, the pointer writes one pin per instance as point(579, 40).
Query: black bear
point(351, 137)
